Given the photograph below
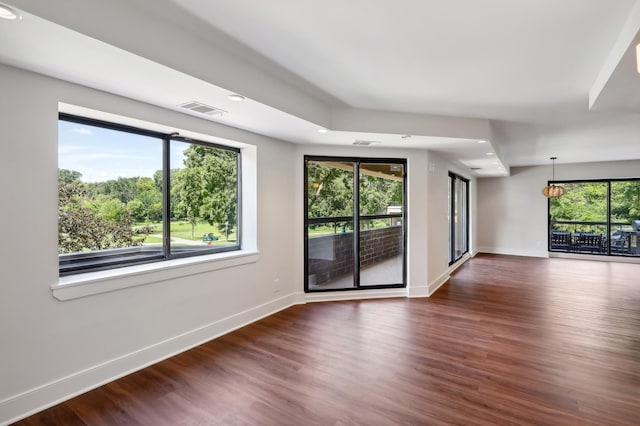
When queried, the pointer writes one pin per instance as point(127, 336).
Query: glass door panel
point(330, 249)
point(578, 219)
point(460, 218)
point(625, 218)
point(381, 240)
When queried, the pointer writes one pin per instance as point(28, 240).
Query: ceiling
point(533, 78)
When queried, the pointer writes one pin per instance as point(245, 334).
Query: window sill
point(88, 284)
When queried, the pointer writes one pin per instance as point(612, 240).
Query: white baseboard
point(446, 276)
point(514, 252)
point(438, 282)
point(34, 400)
point(299, 298)
point(418, 291)
point(355, 295)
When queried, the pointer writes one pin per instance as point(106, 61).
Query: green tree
point(157, 180)
point(625, 201)
point(80, 228)
point(136, 208)
point(123, 189)
point(148, 194)
point(114, 211)
point(582, 202)
point(330, 190)
point(220, 188)
point(206, 189)
point(68, 176)
point(187, 188)
point(154, 212)
point(378, 193)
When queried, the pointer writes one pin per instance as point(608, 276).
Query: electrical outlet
point(276, 285)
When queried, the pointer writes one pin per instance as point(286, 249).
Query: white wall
point(437, 213)
point(512, 212)
point(51, 349)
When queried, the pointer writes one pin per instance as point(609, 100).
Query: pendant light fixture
point(553, 191)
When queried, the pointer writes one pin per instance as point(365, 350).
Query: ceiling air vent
point(476, 168)
point(201, 108)
point(366, 143)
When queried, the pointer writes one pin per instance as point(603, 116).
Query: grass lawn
point(327, 229)
point(315, 231)
point(182, 230)
point(152, 240)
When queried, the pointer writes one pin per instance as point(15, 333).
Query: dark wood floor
point(508, 341)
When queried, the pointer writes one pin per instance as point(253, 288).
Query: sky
point(103, 154)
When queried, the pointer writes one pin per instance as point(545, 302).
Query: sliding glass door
point(458, 217)
point(354, 221)
point(596, 217)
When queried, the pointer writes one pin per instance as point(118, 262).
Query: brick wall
point(331, 256)
point(379, 244)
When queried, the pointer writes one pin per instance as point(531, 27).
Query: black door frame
point(356, 220)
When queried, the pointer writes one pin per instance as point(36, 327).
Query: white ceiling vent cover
point(366, 143)
point(201, 108)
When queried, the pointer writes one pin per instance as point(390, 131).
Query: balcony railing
point(592, 237)
point(341, 224)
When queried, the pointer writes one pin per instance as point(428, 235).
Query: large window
point(355, 223)
point(129, 196)
point(596, 217)
point(458, 217)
